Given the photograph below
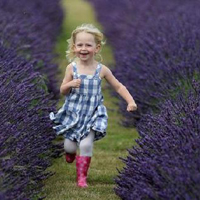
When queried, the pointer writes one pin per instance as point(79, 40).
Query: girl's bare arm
point(119, 88)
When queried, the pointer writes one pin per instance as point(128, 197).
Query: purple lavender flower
point(31, 29)
point(28, 32)
point(155, 46)
point(165, 163)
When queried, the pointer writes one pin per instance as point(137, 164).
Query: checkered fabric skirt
point(83, 109)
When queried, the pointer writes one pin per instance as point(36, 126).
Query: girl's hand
point(131, 107)
point(75, 83)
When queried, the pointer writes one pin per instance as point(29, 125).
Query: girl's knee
point(86, 146)
point(86, 149)
point(69, 146)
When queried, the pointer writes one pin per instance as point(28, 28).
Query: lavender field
point(28, 31)
point(157, 46)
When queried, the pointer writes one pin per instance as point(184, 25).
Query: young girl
point(83, 117)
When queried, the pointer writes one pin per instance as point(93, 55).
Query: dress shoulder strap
point(75, 73)
point(98, 70)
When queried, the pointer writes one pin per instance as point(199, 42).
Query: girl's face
point(85, 46)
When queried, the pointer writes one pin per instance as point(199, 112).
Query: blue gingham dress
point(83, 109)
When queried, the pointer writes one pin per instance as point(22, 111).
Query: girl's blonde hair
point(88, 28)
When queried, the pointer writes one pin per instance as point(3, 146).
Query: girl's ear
point(98, 47)
point(74, 47)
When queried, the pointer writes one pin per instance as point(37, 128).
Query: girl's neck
point(88, 63)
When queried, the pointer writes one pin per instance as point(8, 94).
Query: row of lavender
point(28, 31)
point(31, 28)
point(156, 46)
point(165, 165)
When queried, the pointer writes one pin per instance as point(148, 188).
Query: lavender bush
point(155, 45)
point(165, 164)
point(26, 136)
point(31, 28)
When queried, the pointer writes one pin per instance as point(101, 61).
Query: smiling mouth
point(84, 54)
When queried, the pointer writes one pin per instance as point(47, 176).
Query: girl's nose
point(83, 47)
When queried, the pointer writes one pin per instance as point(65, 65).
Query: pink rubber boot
point(70, 157)
point(82, 166)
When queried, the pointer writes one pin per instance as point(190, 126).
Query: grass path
point(107, 151)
